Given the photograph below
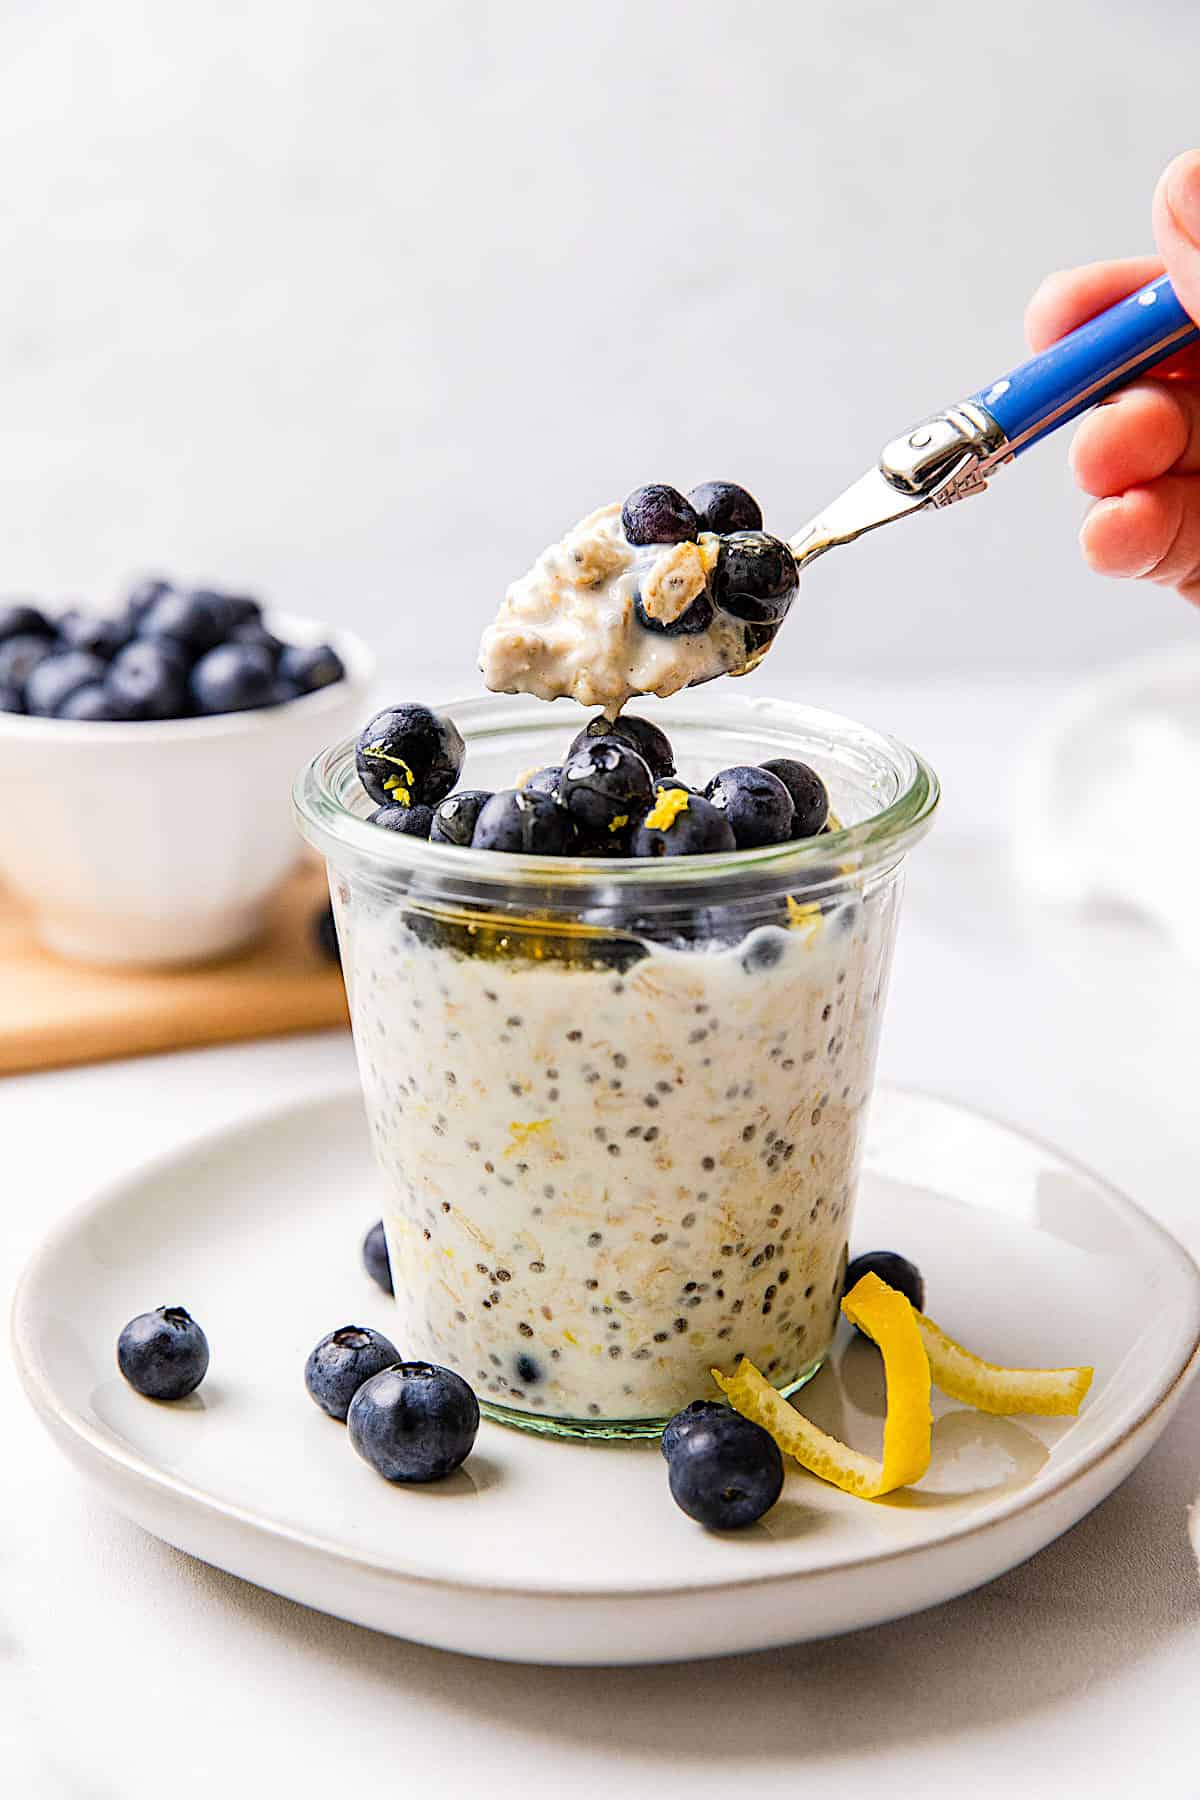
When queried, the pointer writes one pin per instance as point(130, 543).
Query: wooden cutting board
point(54, 1012)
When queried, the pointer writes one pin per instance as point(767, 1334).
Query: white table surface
point(126, 1666)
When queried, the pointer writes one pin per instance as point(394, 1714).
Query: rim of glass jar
point(332, 828)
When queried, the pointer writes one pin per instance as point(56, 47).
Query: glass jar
point(619, 1104)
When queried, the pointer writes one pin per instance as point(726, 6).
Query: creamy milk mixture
point(604, 1179)
point(569, 625)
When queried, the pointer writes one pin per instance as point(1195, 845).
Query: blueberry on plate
point(11, 700)
point(455, 817)
point(93, 632)
point(700, 1412)
point(324, 931)
point(543, 781)
point(756, 803)
point(414, 1422)
point(809, 797)
point(408, 751)
point(527, 824)
point(55, 678)
point(658, 514)
point(20, 620)
point(337, 1367)
point(694, 619)
point(253, 631)
point(198, 622)
point(606, 787)
point(722, 506)
point(755, 577)
point(375, 1257)
point(163, 1354)
point(651, 744)
point(726, 1472)
point(234, 678)
point(687, 826)
point(891, 1267)
point(149, 680)
point(311, 666)
point(20, 655)
point(91, 705)
point(409, 821)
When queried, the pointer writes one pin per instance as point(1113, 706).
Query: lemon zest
point(888, 1318)
point(666, 809)
point(991, 1388)
point(616, 824)
point(522, 1133)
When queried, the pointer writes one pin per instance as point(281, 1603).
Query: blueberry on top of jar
point(810, 800)
point(606, 787)
point(524, 823)
point(455, 817)
point(755, 577)
point(658, 514)
point(722, 506)
point(651, 744)
point(409, 821)
point(407, 754)
point(542, 781)
point(756, 804)
point(682, 824)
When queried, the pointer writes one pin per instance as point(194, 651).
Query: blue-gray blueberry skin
point(19, 656)
point(542, 781)
point(149, 680)
point(525, 824)
point(810, 798)
point(56, 677)
point(311, 666)
point(337, 1367)
point(415, 1422)
point(455, 817)
point(690, 623)
point(408, 752)
point(726, 1472)
point(755, 577)
point(642, 735)
point(163, 1354)
point(699, 830)
point(756, 804)
point(723, 506)
point(606, 787)
point(658, 514)
point(699, 1412)
point(18, 619)
point(375, 1257)
point(234, 678)
point(410, 821)
point(891, 1267)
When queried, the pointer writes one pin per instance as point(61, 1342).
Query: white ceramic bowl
point(160, 843)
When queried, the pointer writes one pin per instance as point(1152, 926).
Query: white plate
point(573, 1552)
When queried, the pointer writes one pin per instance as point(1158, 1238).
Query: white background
point(359, 304)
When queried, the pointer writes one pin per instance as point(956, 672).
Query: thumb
point(1177, 227)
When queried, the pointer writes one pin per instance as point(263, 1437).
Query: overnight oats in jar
point(618, 1102)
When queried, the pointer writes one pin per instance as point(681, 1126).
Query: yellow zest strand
point(667, 808)
point(992, 1389)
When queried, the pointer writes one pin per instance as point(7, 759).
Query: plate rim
point(63, 1421)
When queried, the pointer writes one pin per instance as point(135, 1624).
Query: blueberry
point(311, 666)
point(525, 823)
point(20, 655)
point(700, 1412)
point(651, 744)
point(342, 1361)
point(658, 514)
point(53, 680)
point(756, 803)
point(148, 680)
point(253, 631)
point(19, 620)
point(809, 798)
point(234, 678)
point(90, 704)
point(764, 950)
point(896, 1270)
point(606, 787)
point(324, 931)
point(93, 632)
point(695, 619)
point(410, 821)
point(414, 1422)
point(141, 598)
point(163, 1354)
point(722, 506)
point(375, 1257)
point(198, 622)
point(668, 784)
point(11, 701)
point(543, 781)
point(726, 1472)
point(236, 609)
point(408, 749)
point(755, 577)
point(455, 817)
point(697, 829)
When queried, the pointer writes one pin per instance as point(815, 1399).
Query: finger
point(1148, 430)
point(1071, 296)
point(1149, 534)
point(1176, 214)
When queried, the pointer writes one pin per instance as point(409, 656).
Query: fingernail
point(1183, 193)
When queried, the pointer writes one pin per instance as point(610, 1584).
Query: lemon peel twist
point(992, 1389)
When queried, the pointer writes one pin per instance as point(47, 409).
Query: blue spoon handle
point(1107, 353)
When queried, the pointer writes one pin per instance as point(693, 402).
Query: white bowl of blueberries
point(146, 756)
